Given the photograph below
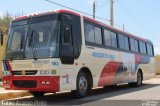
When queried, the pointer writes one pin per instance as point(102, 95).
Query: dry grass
point(12, 95)
point(157, 65)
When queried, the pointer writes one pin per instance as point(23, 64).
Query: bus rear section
point(120, 57)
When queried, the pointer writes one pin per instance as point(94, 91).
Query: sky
point(140, 17)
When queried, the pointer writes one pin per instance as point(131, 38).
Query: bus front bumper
point(32, 83)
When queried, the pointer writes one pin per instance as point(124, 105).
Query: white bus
point(65, 51)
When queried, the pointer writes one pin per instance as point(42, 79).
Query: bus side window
point(149, 49)
point(67, 37)
point(142, 47)
point(113, 39)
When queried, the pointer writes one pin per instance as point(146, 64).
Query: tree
point(5, 23)
point(4, 27)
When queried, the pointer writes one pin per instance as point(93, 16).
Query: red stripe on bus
point(67, 11)
point(137, 58)
point(21, 17)
point(53, 86)
point(108, 74)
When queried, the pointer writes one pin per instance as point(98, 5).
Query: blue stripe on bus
point(5, 67)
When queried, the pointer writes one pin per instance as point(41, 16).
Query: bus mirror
point(66, 54)
point(1, 38)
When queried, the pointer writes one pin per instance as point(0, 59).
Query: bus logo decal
point(103, 55)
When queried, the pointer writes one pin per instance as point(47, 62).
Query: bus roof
point(86, 18)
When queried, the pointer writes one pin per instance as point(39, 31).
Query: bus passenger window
point(89, 32)
point(114, 39)
point(126, 43)
point(132, 45)
point(136, 46)
point(149, 49)
point(107, 37)
point(142, 47)
point(121, 42)
point(98, 35)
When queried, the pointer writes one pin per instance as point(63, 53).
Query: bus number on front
point(55, 63)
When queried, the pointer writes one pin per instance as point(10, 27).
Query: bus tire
point(82, 86)
point(37, 94)
point(138, 83)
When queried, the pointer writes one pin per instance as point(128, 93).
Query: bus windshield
point(16, 37)
point(38, 37)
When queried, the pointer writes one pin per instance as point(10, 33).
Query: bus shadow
point(97, 94)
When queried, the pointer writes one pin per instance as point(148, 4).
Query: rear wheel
point(37, 94)
point(138, 83)
point(139, 79)
point(82, 87)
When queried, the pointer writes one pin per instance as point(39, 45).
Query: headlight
point(44, 72)
point(47, 72)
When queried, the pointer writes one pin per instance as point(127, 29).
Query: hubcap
point(82, 84)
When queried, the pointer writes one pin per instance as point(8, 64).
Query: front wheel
point(82, 86)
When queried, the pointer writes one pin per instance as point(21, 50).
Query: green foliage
point(5, 23)
point(158, 56)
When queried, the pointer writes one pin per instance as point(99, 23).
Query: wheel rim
point(139, 79)
point(82, 84)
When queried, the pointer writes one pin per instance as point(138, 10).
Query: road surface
point(123, 95)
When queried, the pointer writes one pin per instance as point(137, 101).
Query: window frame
point(120, 42)
point(142, 46)
point(86, 40)
point(94, 27)
point(105, 46)
point(114, 46)
point(109, 36)
point(128, 44)
point(132, 44)
point(137, 47)
point(151, 49)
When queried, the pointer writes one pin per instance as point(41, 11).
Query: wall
point(157, 65)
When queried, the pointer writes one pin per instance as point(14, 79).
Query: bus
point(62, 50)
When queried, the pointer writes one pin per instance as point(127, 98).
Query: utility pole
point(123, 28)
point(94, 9)
point(111, 13)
